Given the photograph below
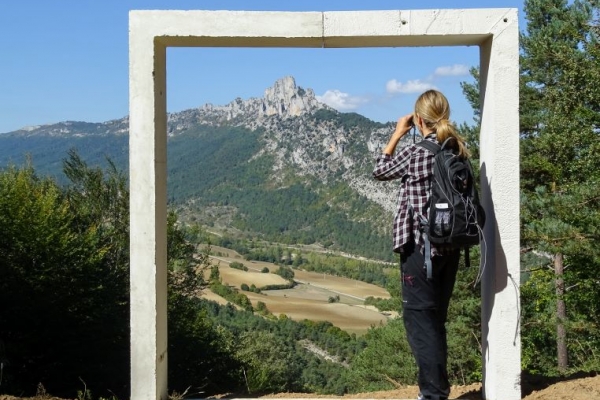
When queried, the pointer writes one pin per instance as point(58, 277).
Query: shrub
point(238, 265)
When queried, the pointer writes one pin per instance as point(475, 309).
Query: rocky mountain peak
point(284, 98)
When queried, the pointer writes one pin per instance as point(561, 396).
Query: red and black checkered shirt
point(413, 165)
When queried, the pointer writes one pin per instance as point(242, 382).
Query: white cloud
point(452, 70)
point(420, 85)
point(341, 101)
point(413, 86)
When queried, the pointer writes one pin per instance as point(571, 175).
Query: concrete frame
point(495, 31)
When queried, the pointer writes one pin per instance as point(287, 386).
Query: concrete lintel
point(200, 28)
point(400, 28)
point(387, 28)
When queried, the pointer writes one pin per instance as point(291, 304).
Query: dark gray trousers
point(425, 309)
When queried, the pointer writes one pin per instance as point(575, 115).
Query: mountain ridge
point(281, 104)
point(284, 99)
point(285, 147)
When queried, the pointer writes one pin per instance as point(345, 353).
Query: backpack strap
point(433, 147)
point(429, 145)
point(446, 141)
point(427, 254)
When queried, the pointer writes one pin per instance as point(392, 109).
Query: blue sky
point(68, 60)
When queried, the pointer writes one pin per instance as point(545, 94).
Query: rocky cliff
point(283, 100)
point(302, 133)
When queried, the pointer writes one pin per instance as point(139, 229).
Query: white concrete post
point(499, 142)
point(148, 213)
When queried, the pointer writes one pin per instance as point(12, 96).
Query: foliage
point(316, 374)
point(65, 267)
point(333, 299)
point(560, 164)
point(386, 360)
point(350, 121)
point(289, 285)
point(62, 275)
point(268, 363)
point(464, 326)
point(391, 304)
point(285, 272)
point(231, 294)
point(201, 354)
point(261, 308)
point(238, 265)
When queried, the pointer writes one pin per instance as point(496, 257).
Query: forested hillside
point(216, 168)
point(301, 175)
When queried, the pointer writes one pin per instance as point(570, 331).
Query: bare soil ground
point(576, 387)
point(573, 388)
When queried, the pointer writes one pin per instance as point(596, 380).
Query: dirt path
point(586, 388)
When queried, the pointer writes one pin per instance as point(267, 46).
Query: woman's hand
point(402, 127)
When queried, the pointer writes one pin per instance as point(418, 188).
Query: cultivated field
point(338, 284)
point(235, 277)
point(307, 300)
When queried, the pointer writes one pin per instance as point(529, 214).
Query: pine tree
point(560, 112)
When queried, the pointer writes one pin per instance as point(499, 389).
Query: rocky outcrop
point(283, 100)
point(288, 100)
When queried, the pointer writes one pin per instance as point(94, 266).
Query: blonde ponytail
point(432, 106)
point(445, 129)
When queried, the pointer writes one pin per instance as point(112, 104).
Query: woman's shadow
point(495, 276)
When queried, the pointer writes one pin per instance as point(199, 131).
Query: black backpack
point(454, 217)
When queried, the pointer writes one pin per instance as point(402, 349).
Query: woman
point(425, 302)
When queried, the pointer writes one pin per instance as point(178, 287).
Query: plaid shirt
point(413, 165)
